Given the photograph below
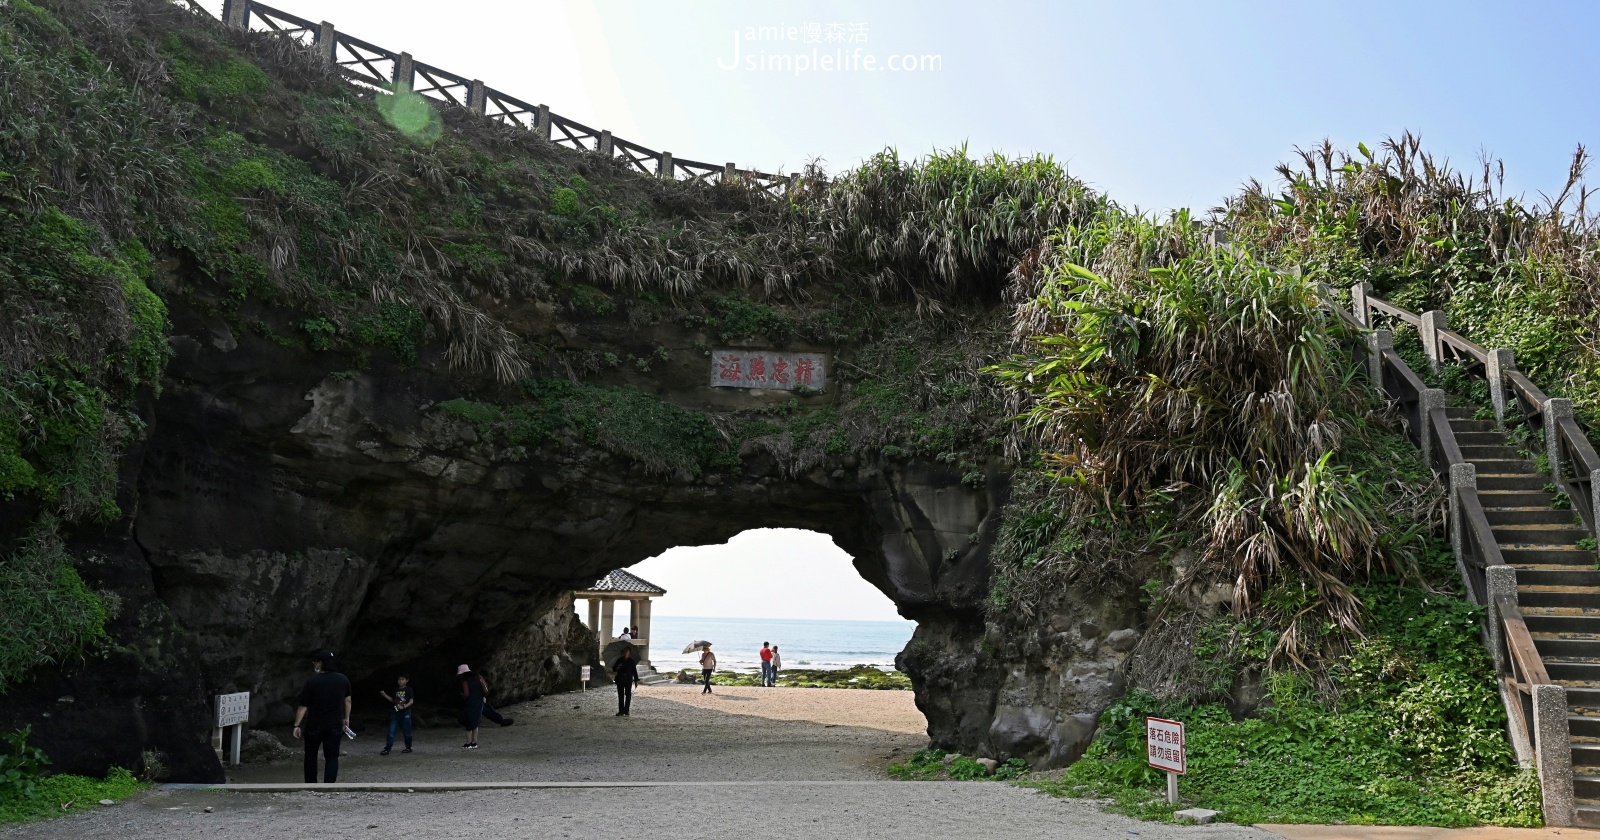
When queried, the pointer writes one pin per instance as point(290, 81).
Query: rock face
point(279, 505)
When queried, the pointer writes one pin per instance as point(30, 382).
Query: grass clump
point(937, 765)
point(27, 794)
point(1414, 735)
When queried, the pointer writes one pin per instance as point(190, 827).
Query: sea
point(802, 643)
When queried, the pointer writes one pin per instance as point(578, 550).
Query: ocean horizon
point(825, 644)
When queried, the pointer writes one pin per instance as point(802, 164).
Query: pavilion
point(620, 585)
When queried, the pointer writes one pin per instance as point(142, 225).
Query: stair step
point(1585, 755)
point(1562, 576)
point(1582, 696)
point(1492, 452)
point(1530, 516)
point(1465, 439)
point(1511, 481)
point(1586, 816)
point(1539, 535)
point(1513, 499)
point(1568, 648)
point(1460, 426)
point(1583, 726)
point(1460, 412)
point(1550, 555)
point(1574, 670)
point(1516, 465)
point(1553, 623)
point(1586, 787)
point(1578, 597)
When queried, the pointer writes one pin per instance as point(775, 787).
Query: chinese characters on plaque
point(768, 369)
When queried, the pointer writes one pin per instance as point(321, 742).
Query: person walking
point(777, 665)
point(708, 663)
point(322, 716)
point(766, 664)
point(403, 699)
point(627, 673)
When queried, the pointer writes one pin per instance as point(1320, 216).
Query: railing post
point(1499, 364)
point(1594, 500)
point(236, 13)
point(405, 73)
point(327, 42)
point(477, 97)
point(729, 172)
point(543, 128)
point(1358, 303)
point(605, 143)
point(664, 169)
point(1427, 401)
point(1377, 342)
point(1553, 751)
point(1556, 409)
point(1432, 322)
point(1498, 582)
point(1463, 480)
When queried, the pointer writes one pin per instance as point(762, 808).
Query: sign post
point(1164, 751)
point(233, 711)
point(584, 676)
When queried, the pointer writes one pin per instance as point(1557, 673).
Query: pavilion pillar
point(607, 610)
point(643, 620)
point(594, 623)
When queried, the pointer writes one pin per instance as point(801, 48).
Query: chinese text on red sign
point(1165, 744)
point(767, 369)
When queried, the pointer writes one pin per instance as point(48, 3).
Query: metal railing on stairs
point(376, 68)
point(1535, 705)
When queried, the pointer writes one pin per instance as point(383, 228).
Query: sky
point(765, 573)
point(1160, 105)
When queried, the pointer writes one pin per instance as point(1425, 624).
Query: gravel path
point(781, 762)
point(879, 810)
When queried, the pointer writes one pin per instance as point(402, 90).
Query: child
point(403, 699)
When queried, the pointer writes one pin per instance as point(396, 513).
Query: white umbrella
point(694, 646)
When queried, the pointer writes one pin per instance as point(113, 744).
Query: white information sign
point(585, 676)
point(233, 708)
point(769, 369)
point(1165, 744)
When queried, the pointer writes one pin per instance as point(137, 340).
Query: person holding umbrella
point(708, 663)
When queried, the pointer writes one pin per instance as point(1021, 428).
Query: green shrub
point(50, 613)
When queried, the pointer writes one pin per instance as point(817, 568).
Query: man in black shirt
point(324, 712)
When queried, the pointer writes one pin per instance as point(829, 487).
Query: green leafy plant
point(21, 767)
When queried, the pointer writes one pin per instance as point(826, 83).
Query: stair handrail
point(372, 67)
point(1535, 706)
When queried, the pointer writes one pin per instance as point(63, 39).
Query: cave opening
point(792, 587)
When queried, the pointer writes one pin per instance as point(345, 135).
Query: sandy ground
point(674, 733)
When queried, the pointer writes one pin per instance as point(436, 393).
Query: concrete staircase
point(1558, 586)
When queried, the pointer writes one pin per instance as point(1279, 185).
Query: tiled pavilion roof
point(623, 582)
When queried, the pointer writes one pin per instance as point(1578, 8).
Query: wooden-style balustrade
point(1524, 681)
point(376, 68)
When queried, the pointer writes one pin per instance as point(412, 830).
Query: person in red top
point(767, 680)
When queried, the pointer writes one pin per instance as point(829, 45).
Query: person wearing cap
point(322, 716)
